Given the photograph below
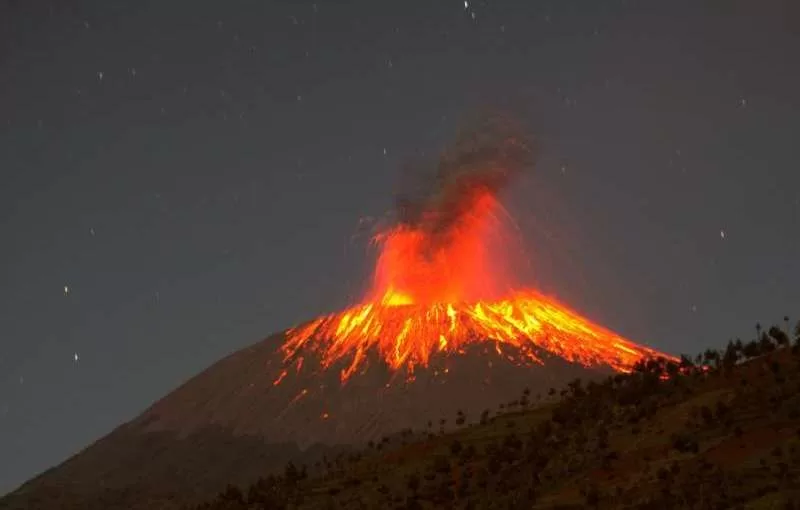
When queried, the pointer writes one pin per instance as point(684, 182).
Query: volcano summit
point(444, 278)
point(443, 329)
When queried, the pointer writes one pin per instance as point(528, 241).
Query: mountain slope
point(232, 422)
point(723, 435)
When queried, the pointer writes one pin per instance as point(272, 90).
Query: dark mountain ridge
point(721, 431)
point(234, 422)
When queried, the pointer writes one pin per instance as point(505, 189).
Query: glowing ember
point(428, 300)
point(442, 282)
point(410, 334)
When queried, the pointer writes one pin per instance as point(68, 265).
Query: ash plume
point(487, 154)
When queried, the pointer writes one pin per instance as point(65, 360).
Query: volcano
point(444, 329)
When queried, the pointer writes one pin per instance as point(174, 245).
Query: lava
point(442, 281)
point(439, 297)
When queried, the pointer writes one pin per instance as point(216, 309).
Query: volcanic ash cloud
point(441, 282)
point(485, 156)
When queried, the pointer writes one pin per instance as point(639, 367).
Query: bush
point(413, 482)
point(684, 443)
point(441, 464)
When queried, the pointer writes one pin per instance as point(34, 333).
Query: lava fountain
point(441, 280)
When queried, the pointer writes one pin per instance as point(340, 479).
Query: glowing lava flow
point(440, 289)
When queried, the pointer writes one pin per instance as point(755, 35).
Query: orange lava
point(438, 291)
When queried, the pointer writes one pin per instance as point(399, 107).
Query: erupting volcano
point(444, 329)
point(445, 323)
point(442, 279)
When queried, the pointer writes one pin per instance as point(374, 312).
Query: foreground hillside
point(719, 431)
point(250, 413)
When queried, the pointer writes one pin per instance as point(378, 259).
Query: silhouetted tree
point(576, 388)
point(684, 443)
point(722, 410)
point(413, 482)
point(711, 357)
point(707, 415)
point(766, 344)
point(602, 437)
point(673, 369)
point(751, 349)
point(780, 337)
point(730, 357)
point(592, 497)
point(468, 452)
point(441, 464)
point(292, 474)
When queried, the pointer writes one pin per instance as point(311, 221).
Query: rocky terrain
point(251, 413)
point(719, 431)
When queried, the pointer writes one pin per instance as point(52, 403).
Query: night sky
point(179, 179)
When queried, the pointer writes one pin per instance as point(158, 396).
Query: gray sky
point(180, 179)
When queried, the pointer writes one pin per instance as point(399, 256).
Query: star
point(75, 357)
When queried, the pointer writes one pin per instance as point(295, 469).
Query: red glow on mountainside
point(442, 280)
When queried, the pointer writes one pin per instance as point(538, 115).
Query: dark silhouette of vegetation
point(718, 430)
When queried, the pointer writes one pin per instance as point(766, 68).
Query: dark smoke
point(485, 156)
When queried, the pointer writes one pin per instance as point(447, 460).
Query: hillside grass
point(721, 431)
